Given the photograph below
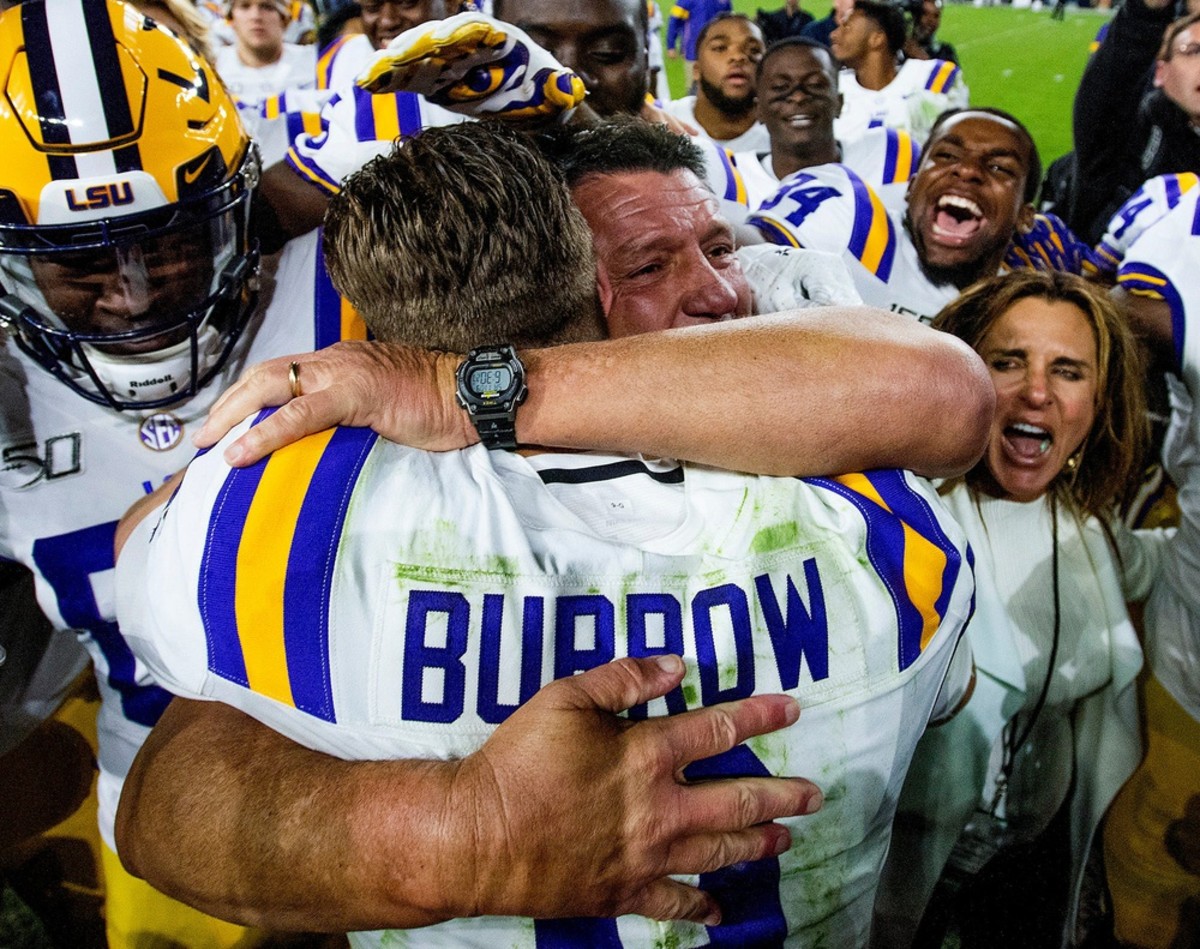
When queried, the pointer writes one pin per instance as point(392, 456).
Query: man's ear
point(841, 101)
point(696, 73)
point(1025, 218)
point(604, 288)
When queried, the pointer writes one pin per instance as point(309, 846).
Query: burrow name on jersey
point(446, 631)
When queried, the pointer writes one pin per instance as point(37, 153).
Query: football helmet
point(126, 268)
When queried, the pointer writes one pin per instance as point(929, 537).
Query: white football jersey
point(342, 60)
point(374, 601)
point(72, 468)
point(1163, 263)
point(263, 95)
point(884, 158)
point(831, 208)
point(1145, 206)
point(921, 91)
point(753, 139)
point(295, 69)
point(278, 121)
point(724, 180)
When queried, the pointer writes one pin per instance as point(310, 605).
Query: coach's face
point(664, 255)
point(968, 196)
point(603, 41)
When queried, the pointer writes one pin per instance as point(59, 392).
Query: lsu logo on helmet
point(122, 149)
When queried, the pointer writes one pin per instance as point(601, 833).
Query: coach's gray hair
point(460, 237)
point(620, 145)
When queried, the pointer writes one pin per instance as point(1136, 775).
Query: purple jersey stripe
point(218, 572)
point(310, 569)
point(915, 511)
point(327, 303)
point(885, 550)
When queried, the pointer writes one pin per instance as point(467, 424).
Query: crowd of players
point(425, 731)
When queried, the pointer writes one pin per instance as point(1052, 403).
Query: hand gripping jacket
point(125, 263)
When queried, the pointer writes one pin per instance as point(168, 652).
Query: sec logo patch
point(161, 431)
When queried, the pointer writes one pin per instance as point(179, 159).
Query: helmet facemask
point(137, 312)
point(126, 268)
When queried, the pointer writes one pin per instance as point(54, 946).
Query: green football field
point(1017, 60)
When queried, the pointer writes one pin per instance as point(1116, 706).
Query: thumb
point(617, 686)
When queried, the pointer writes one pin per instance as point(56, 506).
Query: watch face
point(489, 381)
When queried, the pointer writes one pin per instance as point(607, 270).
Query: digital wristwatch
point(491, 384)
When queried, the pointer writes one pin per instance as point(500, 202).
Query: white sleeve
point(158, 578)
point(1144, 208)
point(335, 151)
point(958, 93)
point(1140, 557)
point(886, 159)
point(724, 180)
point(943, 88)
point(956, 686)
point(1159, 261)
point(356, 127)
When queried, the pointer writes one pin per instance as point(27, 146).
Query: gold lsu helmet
point(126, 267)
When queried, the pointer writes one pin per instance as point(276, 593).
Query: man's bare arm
point(816, 392)
point(43, 781)
point(567, 810)
point(286, 206)
point(1151, 320)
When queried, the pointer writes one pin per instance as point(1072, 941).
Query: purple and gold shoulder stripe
point(942, 76)
point(1145, 280)
point(723, 175)
point(873, 237)
point(909, 551)
point(901, 157)
point(326, 60)
point(268, 566)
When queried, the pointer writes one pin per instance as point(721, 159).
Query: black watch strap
point(497, 431)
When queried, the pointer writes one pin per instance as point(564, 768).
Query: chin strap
point(13, 310)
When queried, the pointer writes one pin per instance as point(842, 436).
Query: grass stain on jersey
point(776, 537)
point(817, 864)
point(772, 751)
point(491, 566)
point(443, 541)
point(670, 939)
